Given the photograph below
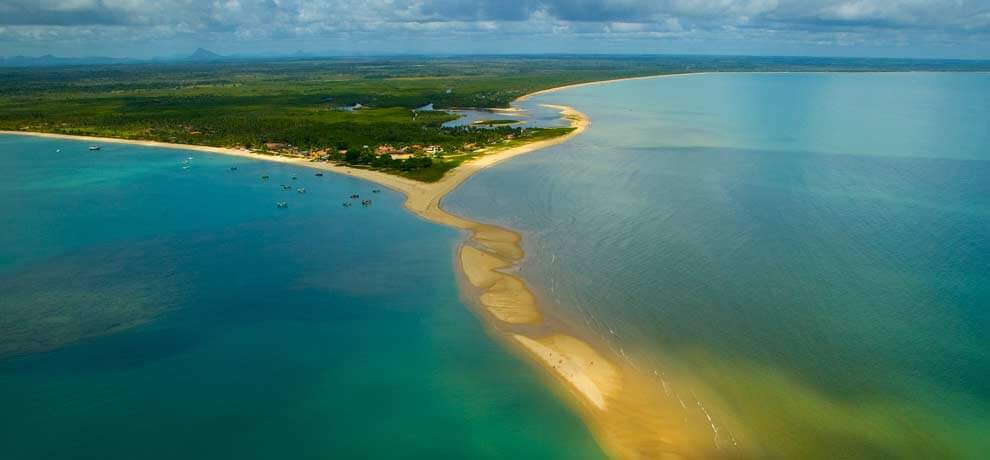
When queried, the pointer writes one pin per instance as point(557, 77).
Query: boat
point(233, 168)
point(294, 177)
point(264, 177)
point(286, 187)
point(376, 191)
point(94, 148)
point(301, 190)
point(347, 204)
point(319, 174)
point(58, 150)
point(281, 204)
point(366, 203)
point(355, 196)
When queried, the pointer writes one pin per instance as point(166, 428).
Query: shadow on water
point(94, 292)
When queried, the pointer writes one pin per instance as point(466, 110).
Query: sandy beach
point(626, 412)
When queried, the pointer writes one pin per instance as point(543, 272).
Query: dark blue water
point(151, 311)
point(805, 255)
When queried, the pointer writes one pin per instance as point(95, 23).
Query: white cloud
point(27, 24)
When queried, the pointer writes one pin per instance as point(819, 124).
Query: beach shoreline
point(622, 409)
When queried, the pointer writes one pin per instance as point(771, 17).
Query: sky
point(168, 28)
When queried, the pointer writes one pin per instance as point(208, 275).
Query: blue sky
point(150, 28)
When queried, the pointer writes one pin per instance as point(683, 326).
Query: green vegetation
point(495, 122)
point(305, 107)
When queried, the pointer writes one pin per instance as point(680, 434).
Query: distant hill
point(204, 55)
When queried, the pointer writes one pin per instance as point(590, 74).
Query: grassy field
point(301, 105)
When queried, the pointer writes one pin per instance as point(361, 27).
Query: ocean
point(802, 258)
point(799, 260)
point(158, 304)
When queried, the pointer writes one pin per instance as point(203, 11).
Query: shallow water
point(532, 116)
point(151, 311)
point(805, 258)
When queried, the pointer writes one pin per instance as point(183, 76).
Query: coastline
point(601, 82)
point(625, 411)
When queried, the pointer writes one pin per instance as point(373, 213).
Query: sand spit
point(628, 412)
point(575, 361)
point(503, 295)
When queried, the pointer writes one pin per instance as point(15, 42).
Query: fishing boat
point(281, 204)
point(376, 191)
point(233, 168)
point(94, 148)
point(347, 204)
point(301, 190)
point(285, 187)
point(319, 174)
point(355, 196)
point(264, 177)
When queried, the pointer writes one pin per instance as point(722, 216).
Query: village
point(380, 151)
point(427, 162)
point(423, 151)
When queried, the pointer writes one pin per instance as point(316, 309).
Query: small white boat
point(94, 148)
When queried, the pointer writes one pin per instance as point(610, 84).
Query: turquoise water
point(807, 256)
point(151, 311)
